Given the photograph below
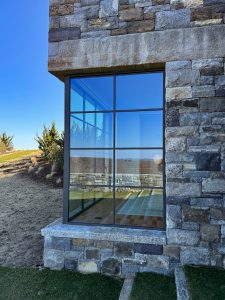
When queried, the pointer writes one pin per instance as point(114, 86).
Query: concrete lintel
point(94, 54)
point(117, 234)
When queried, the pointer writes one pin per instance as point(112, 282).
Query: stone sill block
point(115, 234)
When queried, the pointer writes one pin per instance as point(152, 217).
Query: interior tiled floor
point(102, 213)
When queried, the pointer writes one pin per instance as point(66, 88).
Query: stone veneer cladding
point(187, 37)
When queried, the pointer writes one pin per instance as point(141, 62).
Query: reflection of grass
point(17, 155)
point(28, 283)
point(87, 195)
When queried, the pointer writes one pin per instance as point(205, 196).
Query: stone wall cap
point(58, 229)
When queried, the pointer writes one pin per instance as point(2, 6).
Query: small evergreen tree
point(47, 139)
point(6, 141)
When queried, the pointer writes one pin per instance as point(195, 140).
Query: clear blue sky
point(29, 95)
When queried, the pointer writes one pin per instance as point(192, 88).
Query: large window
point(116, 160)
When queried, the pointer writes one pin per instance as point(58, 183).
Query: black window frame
point(67, 148)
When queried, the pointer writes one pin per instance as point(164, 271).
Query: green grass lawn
point(205, 283)
point(17, 155)
point(153, 286)
point(30, 284)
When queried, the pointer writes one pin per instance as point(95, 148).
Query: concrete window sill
point(115, 234)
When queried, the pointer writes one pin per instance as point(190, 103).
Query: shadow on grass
point(30, 284)
point(153, 286)
point(205, 282)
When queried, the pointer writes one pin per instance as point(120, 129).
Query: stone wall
point(195, 160)
point(186, 37)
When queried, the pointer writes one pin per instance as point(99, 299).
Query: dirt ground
point(26, 206)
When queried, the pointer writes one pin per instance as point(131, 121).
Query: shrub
point(6, 143)
point(52, 146)
point(47, 139)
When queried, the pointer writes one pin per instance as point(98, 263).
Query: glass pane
point(92, 93)
point(139, 91)
point(91, 167)
point(139, 129)
point(91, 130)
point(139, 207)
point(91, 205)
point(139, 168)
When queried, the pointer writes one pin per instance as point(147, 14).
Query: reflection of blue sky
point(120, 154)
point(133, 129)
point(139, 91)
point(139, 129)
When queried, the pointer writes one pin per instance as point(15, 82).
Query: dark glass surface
point(91, 205)
point(139, 91)
point(139, 168)
point(91, 130)
point(139, 207)
point(139, 129)
point(92, 93)
point(91, 167)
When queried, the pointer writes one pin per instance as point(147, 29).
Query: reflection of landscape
point(129, 172)
point(136, 207)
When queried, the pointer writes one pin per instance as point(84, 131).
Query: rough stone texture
point(186, 38)
point(181, 285)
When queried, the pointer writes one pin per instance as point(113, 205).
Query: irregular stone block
point(193, 119)
point(179, 78)
point(141, 26)
point(131, 14)
point(135, 261)
point(217, 216)
point(57, 243)
point(186, 3)
point(53, 49)
point(209, 67)
point(178, 93)
point(210, 233)
point(124, 249)
point(108, 8)
point(173, 216)
point(172, 118)
point(53, 259)
point(78, 19)
point(70, 264)
point(195, 215)
point(203, 91)
point(195, 256)
point(57, 35)
point(208, 162)
point(156, 8)
point(181, 131)
point(176, 144)
point(172, 251)
point(213, 185)
point(92, 254)
point(89, 2)
point(88, 267)
point(148, 249)
point(66, 9)
point(111, 266)
point(178, 65)
point(214, 104)
point(213, 2)
point(158, 262)
point(190, 226)
point(172, 19)
point(174, 170)
point(183, 237)
point(206, 202)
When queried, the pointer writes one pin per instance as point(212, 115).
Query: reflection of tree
point(87, 134)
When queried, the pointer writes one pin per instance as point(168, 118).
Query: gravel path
point(26, 206)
